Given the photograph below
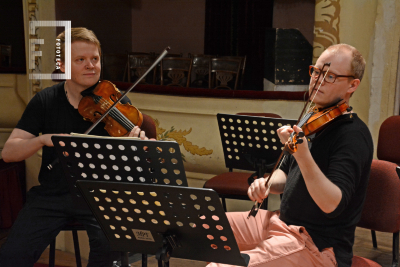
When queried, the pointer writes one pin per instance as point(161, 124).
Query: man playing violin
point(323, 183)
point(50, 205)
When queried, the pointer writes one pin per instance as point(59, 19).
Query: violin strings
point(117, 115)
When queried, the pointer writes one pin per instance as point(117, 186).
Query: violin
point(316, 121)
point(120, 119)
point(104, 107)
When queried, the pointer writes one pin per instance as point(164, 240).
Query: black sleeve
point(285, 165)
point(349, 155)
point(126, 100)
point(32, 119)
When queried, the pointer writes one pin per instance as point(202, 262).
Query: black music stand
point(251, 143)
point(167, 221)
point(120, 160)
point(110, 159)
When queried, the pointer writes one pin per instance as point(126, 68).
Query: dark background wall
point(295, 14)
point(219, 27)
point(175, 23)
point(109, 20)
point(12, 33)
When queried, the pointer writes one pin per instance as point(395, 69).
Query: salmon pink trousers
point(271, 243)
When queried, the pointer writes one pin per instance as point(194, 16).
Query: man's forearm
point(18, 149)
point(278, 182)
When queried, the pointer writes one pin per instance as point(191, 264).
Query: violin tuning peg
point(300, 134)
point(299, 141)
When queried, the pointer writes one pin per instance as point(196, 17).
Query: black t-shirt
point(49, 112)
point(343, 151)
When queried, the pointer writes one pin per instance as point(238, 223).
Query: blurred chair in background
point(225, 73)
point(138, 63)
point(113, 67)
point(201, 70)
point(242, 68)
point(176, 71)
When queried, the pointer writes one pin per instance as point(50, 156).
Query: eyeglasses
point(329, 77)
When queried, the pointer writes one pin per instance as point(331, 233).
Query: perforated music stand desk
point(181, 222)
point(120, 160)
point(250, 142)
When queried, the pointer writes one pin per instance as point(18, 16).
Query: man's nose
point(89, 65)
point(321, 80)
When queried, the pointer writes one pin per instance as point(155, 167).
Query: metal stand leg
point(144, 260)
point(223, 203)
point(76, 248)
point(125, 259)
point(395, 251)
point(52, 253)
point(373, 235)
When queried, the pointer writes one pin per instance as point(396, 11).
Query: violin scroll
point(291, 144)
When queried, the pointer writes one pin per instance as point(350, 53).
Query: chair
point(381, 210)
point(201, 73)
point(12, 194)
point(225, 73)
point(176, 71)
point(232, 184)
point(363, 262)
point(388, 144)
point(149, 127)
point(388, 148)
point(242, 67)
point(138, 63)
point(73, 226)
point(114, 67)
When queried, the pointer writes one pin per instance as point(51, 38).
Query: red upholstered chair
point(232, 184)
point(149, 127)
point(381, 210)
point(388, 148)
point(388, 141)
point(12, 194)
point(363, 262)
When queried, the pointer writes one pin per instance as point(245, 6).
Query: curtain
point(237, 28)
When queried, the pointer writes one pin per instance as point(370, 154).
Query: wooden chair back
point(176, 71)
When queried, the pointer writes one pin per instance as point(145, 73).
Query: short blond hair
point(357, 62)
point(77, 34)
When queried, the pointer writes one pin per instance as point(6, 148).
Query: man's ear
point(353, 86)
point(62, 66)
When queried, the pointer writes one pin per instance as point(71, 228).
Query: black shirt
point(49, 112)
point(343, 151)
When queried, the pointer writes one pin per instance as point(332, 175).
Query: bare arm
point(21, 145)
point(259, 190)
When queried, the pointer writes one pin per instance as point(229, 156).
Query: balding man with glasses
point(323, 183)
